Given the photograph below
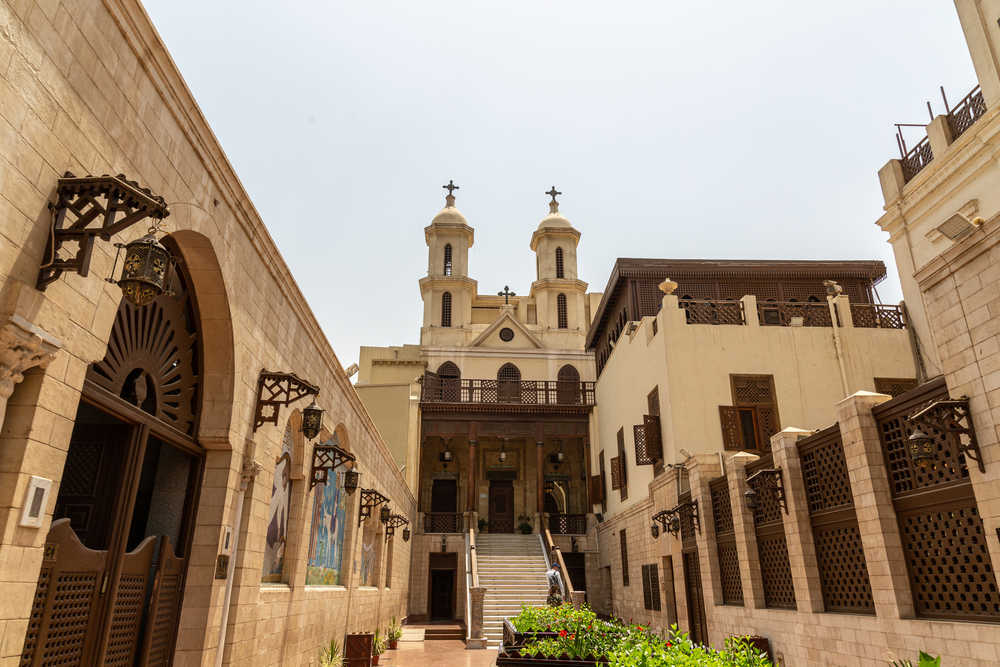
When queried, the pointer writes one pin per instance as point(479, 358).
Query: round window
point(506, 334)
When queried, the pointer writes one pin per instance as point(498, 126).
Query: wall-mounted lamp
point(275, 390)
point(385, 514)
point(668, 520)
point(145, 271)
point(768, 480)
point(312, 420)
point(502, 456)
point(406, 534)
point(351, 481)
point(950, 416)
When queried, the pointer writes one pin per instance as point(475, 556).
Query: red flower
point(572, 636)
point(669, 644)
point(562, 633)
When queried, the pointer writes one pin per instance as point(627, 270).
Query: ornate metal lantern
point(654, 530)
point(502, 456)
point(312, 420)
point(921, 448)
point(145, 270)
point(385, 514)
point(351, 480)
point(750, 496)
point(446, 455)
point(406, 534)
point(669, 520)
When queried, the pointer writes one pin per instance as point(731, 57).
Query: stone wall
point(88, 87)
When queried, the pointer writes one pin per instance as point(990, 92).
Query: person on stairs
point(556, 590)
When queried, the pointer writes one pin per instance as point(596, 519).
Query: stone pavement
point(441, 653)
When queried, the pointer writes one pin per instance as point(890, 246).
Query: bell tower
point(559, 294)
point(447, 290)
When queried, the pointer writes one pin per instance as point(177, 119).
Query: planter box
point(511, 659)
point(512, 637)
point(358, 650)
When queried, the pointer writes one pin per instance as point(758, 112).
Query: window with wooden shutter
point(616, 474)
point(650, 587)
point(560, 269)
point(622, 466)
point(767, 425)
point(597, 489)
point(647, 441)
point(561, 308)
point(624, 547)
point(653, 410)
point(604, 483)
point(750, 422)
point(732, 434)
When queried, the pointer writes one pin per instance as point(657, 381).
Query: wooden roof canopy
point(870, 272)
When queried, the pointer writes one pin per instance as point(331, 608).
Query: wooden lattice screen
point(843, 572)
point(725, 537)
point(650, 587)
point(944, 544)
point(648, 449)
point(772, 549)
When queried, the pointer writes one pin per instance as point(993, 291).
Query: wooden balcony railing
point(436, 389)
point(780, 313)
point(712, 312)
point(966, 112)
point(917, 158)
point(877, 316)
point(443, 522)
point(568, 524)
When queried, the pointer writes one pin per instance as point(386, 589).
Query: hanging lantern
point(144, 272)
point(312, 420)
point(654, 530)
point(446, 456)
point(503, 452)
point(921, 448)
point(675, 524)
point(385, 514)
point(406, 534)
point(751, 499)
point(351, 480)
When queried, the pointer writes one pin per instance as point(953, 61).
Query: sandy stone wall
point(88, 87)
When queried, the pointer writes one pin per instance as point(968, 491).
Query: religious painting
point(369, 557)
point(327, 530)
point(277, 516)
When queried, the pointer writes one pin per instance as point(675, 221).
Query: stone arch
point(216, 326)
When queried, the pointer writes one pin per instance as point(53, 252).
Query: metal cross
point(553, 192)
point(451, 186)
point(506, 294)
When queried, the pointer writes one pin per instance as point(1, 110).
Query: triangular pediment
point(522, 339)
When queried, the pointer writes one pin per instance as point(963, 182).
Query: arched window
point(560, 271)
point(447, 259)
point(451, 382)
point(561, 307)
point(446, 309)
point(568, 386)
point(509, 384)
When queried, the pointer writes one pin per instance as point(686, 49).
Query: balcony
point(791, 313)
point(436, 389)
point(568, 524)
point(699, 311)
point(442, 522)
point(877, 316)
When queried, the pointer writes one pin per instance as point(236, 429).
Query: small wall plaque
point(36, 499)
point(222, 566)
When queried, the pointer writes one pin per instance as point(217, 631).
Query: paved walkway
point(438, 653)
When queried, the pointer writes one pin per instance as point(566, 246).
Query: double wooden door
point(109, 589)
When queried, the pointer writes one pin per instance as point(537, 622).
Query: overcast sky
point(675, 129)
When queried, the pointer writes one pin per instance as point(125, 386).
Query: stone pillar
point(798, 529)
point(470, 505)
point(939, 134)
point(746, 536)
point(22, 347)
point(873, 504)
point(540, 477)
point(702, 470)
point(477, 640)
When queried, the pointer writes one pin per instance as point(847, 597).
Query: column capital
point(22, 347)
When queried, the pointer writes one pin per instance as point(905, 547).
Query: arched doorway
point(509, 384)
point(109, 590)
point(568, 386)
point(451, 382)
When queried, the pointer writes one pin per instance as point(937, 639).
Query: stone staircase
point(512, 569)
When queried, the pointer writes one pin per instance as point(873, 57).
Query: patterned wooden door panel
point(60, 630)
point(732, 434)
point(697, 627)
point(164, 608)
point(126, 613)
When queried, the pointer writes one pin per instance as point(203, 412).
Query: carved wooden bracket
point(325, 459)
point(275, 390)
point(82, 199)
point(370, 499)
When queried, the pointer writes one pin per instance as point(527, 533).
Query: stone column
point(703, 469)
point(873, 503)
point(477, 595)
point(470, 505)
point(22, 347)
point(798, 529)
point(540, 477)
point(746, 536)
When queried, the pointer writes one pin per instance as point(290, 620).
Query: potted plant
point(330, 656)
point(378, 647)
point(482, 525)
point(393, 633)
point(525, 526)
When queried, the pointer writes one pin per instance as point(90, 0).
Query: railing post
point(750, 316)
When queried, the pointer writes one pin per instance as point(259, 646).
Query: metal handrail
point(435, 389)
point(468, 587)
point(474, 557)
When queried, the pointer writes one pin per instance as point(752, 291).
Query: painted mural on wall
point(369, 540)
point(277, 518)
point(327, 530)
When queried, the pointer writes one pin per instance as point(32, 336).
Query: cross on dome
point(554, 204)
point(451, 187)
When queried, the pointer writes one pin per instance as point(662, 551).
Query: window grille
point(622, 466)
point(446, 309)
point(772, 549)
point(624, 547)
point(561, 306)
point(509, 384)
point(651, 587)
point(560, 272)
point(447, 259)
point(450, 381)
point(725, 535)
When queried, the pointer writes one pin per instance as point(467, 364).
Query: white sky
point(675, 129)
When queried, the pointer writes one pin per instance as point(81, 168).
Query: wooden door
point(695, 598)
point(501, 506)
point(442, 595)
